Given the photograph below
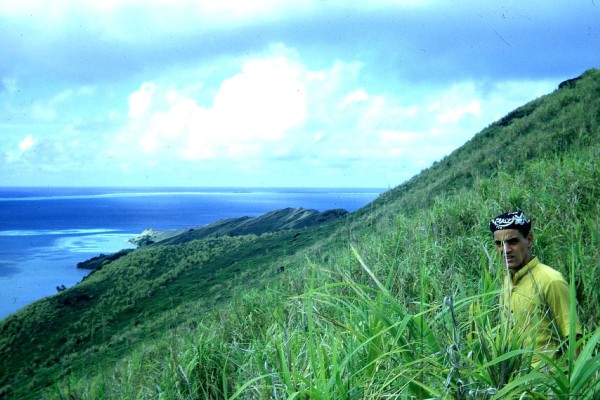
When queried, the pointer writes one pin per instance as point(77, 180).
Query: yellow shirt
point(539, 302)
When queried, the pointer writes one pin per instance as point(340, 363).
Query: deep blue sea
point(45, 232)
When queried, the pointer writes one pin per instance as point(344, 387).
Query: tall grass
point(350, 340)
point(407, 308)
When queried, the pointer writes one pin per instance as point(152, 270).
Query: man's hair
point(511, 220)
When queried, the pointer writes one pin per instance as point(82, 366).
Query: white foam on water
point(98, 243)
point(124, 195)
point(37, 274)
point(51, 232)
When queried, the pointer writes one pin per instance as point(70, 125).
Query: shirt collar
point(528, 267)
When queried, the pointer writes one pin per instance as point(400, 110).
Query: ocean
point(45, 232)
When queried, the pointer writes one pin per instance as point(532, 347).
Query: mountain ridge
point(270, 222)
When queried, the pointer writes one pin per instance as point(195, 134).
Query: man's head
point(513, 238)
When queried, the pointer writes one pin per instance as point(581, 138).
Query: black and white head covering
point(511, 220)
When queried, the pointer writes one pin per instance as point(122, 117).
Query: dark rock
point(520, 112)
point(99, 261)
point(569, 83)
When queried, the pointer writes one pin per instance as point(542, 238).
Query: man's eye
point(511, 241)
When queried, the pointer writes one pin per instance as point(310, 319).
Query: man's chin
point(514, 266)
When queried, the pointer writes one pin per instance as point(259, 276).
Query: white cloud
point(460, 101)
point(27, 143)
point(141, 100)
point(454, 113)
point(354, 97)
point(260, 104)
point(54, 108)
point(264, 101)
point(276, 108)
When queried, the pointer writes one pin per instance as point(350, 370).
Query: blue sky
point(269, 92)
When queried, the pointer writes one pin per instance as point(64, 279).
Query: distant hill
point(273, 221)
point(280, 305)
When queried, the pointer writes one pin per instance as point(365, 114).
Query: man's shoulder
point(547, 273)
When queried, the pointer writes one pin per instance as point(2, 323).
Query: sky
point(269, 93)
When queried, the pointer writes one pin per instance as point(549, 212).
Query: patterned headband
point(511, 220)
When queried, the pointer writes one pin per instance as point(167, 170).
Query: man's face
point(514, 248)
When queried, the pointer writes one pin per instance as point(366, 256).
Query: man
point(536, 296)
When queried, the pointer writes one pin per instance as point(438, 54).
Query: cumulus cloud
point(457, 103)
point(354, 97)
point(260, 104)
point(25, 145)
point(276, 108)
point(141, 100)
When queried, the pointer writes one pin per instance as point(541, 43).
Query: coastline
point(46, 232)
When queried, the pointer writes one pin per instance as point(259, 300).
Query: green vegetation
point(397, 300)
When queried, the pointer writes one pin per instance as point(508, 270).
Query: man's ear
point(529, 239)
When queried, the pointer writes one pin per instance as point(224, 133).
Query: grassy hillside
point(374, 305)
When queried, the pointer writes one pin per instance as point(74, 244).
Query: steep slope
point(552, 125)
point(137, 299)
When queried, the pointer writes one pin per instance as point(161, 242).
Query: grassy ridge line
point(549, 126)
